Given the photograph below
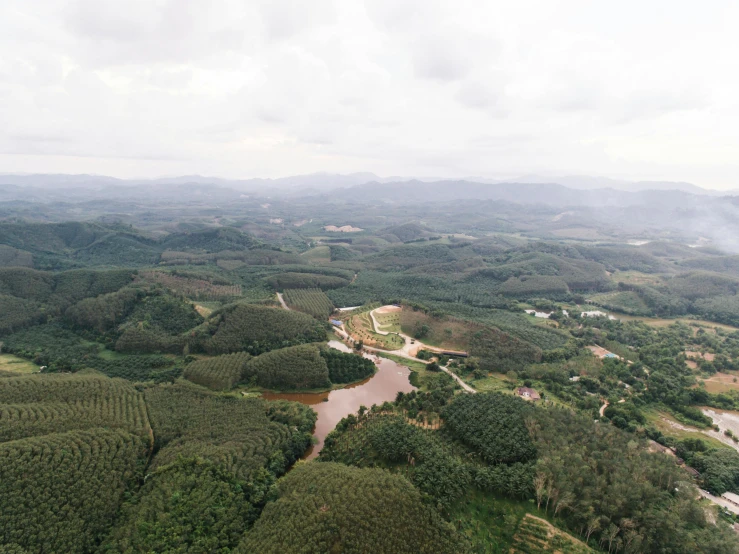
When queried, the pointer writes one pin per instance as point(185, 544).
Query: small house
point(336, 322)
point(528, 394)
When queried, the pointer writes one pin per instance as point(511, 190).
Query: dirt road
point(402, 353)
point(282, 301)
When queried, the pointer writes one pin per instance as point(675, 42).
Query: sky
point(269, 88)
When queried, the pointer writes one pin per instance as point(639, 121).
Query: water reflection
point(332, 406)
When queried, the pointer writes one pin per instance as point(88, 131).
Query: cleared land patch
point(538, 535)
point(318, 255)
point(14, 364)
point(360, 327)
point(342, 229)
point(721, 382)
point(446, 332)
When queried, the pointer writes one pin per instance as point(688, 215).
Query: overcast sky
point(641, 90)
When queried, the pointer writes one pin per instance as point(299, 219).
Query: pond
point(334, 405)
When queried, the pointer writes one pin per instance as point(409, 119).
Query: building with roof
point(528, 394)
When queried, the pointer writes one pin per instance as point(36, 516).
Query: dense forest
point(136, 345)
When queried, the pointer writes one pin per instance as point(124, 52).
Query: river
point(334, 405)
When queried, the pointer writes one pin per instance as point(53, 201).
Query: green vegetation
point(319, 508)
point(217, 458)
point(346, 368)
point(291, 280)
point(295, 367)
point(60, 492)
point(311, 301)
point(255, 329)
point(14, 365)
point(493, 425)
point(219, 373)
point(108, 450)
point(43, 404)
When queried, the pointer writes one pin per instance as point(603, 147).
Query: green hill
point(327, 507)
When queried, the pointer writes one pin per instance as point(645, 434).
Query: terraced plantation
point(311, 301)
point(218, 373)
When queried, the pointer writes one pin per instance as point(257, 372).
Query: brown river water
point(382, 386)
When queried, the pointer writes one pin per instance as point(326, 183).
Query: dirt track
point(409, 349)
point(282, 301)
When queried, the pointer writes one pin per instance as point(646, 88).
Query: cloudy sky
point(640, 90)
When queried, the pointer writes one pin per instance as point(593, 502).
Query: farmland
point(197, 289)
point(361, 328)
point(310, 301)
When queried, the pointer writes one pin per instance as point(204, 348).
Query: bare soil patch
point(388, 309)
point(721, 382)
point(698, 355)
point(342, 229)
point(598, 351)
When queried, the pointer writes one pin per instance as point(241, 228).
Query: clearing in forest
point(317, 255)
point(360, 327)
point(442, 332)
point(538, 535)
point(14, 364)
point(721, 382)
point(342, 229)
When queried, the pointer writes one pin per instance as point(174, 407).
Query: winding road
point(402, 353)
point(405, 352)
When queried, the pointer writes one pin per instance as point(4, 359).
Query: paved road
point(719, 501)
point(282, 301)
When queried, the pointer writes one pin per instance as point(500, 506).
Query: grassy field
point(449, 333)
point(203, 310)
point(495, 382)
point(419, 367)
point(625, 301)
point(709, 326)
point(636, 278)
point(535, 534)
point(317, 255)
point(389, 322)
point(497, 525)
point(9, 362)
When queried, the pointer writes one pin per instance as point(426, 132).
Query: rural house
point(528, 394)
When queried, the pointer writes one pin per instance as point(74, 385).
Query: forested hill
point(138, 347)
point(74, 244)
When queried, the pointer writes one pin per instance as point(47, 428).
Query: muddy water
point(332, 406)
point(725, 420)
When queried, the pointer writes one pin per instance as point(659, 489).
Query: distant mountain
point(549, 194)
point(321, 182)
point(585, 182)
point(316, 181)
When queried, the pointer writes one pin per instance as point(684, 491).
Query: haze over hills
point(326, 181)
point(676, 211)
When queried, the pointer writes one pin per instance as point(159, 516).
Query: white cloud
point(423, 87)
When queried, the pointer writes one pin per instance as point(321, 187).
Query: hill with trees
point(319, 508)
